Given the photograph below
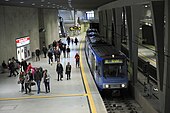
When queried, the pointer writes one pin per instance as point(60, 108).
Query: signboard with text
point(22, 41)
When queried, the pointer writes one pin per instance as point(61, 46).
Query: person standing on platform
point(76, 41)
point(68, 40)
point(24, 65)
point(37, 78)
point(27, 83)
point(46, 79)
point(21, 80)
point(77, 57)
point(50, 56)
point(64, 50)
point(68, 52)
point(44, 49)
point(59, 70)
point(37, 53)
point(68, 70)
point(72, 41)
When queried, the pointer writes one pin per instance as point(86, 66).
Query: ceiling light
point(21, 2)
point(33, 3)
point(6, 0)
point(53, 4)
point(48, 6)
point(48, 3)
point(53, 7)
point(42, 5)
point(146, 6)
point(42, 0)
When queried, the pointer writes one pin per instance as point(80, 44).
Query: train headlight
point(107, 86)
point(123, 85)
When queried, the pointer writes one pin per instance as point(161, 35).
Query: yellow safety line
point(91, 101)
point(35, 97)
point(147, 58)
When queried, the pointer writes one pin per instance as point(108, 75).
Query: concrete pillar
point(118, 14)
point(157, 8)
point(101, 23)
point(104, 24)
point(136, 16)
point(165, 102)
point(129, 29)
point(109, 26)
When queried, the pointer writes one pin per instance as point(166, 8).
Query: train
point(108, 66)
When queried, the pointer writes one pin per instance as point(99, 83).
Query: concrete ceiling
point(57, 4)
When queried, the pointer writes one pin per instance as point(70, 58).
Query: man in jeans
point(37, 78)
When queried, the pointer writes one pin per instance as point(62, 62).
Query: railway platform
point(78, 95)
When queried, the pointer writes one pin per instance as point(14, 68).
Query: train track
point(121, 105)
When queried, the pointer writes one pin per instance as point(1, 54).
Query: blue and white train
point(108, 66)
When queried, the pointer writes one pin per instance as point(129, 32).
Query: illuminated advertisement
point(22, 41)
point(23, 48)
point(113, 61)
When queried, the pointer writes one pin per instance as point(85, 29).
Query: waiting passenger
point(68, 70)
point(4, 66)
point(37, 53)
point(37, 78)
point(68, 52)
point(21, 80)
point(59, 70)
point(76, 41)
point(46, 79)
point(77, 57)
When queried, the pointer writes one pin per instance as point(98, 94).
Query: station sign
point(113, 61)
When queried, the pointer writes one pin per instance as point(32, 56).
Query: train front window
point(113, 70)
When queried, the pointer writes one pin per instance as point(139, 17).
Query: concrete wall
point(51, 25)
point(17, 22)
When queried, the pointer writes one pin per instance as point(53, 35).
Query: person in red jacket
point(77, 57)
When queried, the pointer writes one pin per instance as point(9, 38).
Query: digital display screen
point(113, 61)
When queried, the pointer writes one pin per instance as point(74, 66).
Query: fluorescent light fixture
point(146, 6)
point(33, 3)
point(22, 2)
point(6, 0)
point(42, 5)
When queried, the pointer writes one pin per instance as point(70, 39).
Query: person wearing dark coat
point(68, 70)
point(37, 78)
point(44, 49)
point(37, 53)
point(50, 56)
point(76, 41)
point(24, 65)
point(59, 70)
point(68, 40)
point(11, 68)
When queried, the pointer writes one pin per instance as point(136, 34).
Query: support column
point(118, 12)
point(104, 25)
point(109, 26)
point(165, 102)
point(129, 29)
point(157, 8)
point(136, 16)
